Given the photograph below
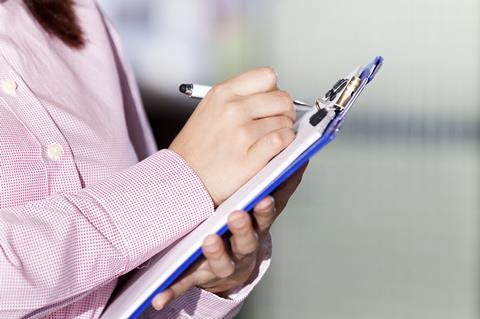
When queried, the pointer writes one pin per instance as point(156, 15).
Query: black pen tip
point(183, 88)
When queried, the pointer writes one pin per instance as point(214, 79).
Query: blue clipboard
point(333, 118)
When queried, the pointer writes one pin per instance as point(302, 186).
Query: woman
point(85, 197)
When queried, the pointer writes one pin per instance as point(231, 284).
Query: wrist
point(216, 199)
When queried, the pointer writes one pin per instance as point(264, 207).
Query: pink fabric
point(84, 196)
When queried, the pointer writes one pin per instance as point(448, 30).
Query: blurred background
point(386, 221)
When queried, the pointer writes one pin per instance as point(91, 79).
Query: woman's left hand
point(229, 265)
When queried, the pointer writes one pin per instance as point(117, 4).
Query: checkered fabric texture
point(84, 195)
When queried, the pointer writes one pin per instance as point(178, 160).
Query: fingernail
point(238, 220)
point(266, 204)
point(159, 302)
point(210, 244)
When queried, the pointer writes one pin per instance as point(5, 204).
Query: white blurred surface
point(386, 222)
point(378, 231)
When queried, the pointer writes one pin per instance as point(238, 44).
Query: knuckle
point(251, 246)
point(292, 115)
point(269, 73)
point(227, 270)
point(231, 269)
point(286, 122)
point(219, 89)
point(285, 97)
point(290, 135)
point(231, 110)
point(286, 102)
point(243, 135)
point(180, 288)
point(275, 140)
point(279, 139)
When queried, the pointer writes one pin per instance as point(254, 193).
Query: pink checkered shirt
point(84, 195)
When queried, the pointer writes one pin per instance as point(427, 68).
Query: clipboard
point(315, 129)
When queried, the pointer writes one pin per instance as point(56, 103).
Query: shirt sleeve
point(58, 249)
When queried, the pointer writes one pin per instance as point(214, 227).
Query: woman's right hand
point(236, 130)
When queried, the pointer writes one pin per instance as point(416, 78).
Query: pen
point(198, 91)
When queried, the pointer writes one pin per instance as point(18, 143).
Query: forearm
point(57, 249)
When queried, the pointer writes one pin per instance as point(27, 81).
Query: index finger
point(259, 80)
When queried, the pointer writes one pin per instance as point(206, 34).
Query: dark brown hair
point(58, 18)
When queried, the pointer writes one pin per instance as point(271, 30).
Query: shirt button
point(54, 151)
point(9, 87)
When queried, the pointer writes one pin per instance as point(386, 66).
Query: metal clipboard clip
point(343, 94)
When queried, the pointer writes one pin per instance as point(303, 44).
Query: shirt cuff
point(198, 303)
point(152, 204)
